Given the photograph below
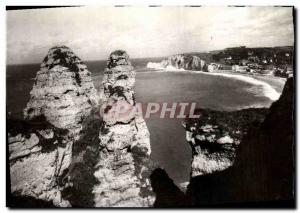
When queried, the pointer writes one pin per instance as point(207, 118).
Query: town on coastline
point(275, 61)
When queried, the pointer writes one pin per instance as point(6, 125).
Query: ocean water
point(168, 144)
point(20, 78)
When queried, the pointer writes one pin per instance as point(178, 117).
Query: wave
point(268, 90)
point(153, 65)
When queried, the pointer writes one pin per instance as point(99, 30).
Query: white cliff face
point(124, 142)
point(186, 62)
point(180, 62)
point(40, 153)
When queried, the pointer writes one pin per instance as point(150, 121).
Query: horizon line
point(209, 51)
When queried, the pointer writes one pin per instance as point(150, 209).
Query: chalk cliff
point(122, 170)
point(180, 61)
point(40, 148)
point(187, 62)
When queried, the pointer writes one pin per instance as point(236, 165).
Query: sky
point(93, 32)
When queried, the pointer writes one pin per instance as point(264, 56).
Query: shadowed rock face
point(124, 148)
point(85, 153)
point(167, 193)
point(264, 167)
point(40, 148)
point(268, 156)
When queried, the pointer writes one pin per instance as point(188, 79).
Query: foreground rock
point(39, 156)
point(167, 193)
point(264, 169)
point(40, 148)
point(180, 61)
point(215, 137)
point(124, 149)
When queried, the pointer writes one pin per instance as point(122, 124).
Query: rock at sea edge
point(124, 150)
point(40, 148)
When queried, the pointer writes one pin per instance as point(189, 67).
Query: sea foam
point(268, 90)
point(153, 65)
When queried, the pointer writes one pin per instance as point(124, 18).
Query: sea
point(169, 147)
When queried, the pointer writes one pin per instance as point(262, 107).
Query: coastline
point(276, 82)
point(268, 90)
point(272, 86)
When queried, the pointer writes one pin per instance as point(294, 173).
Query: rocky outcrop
point(85, 154)
point(39, 156)
point(63, 91)
point(180, 61)
point(40, 148)
point(264, 169)
point(215, 137)
point(122, 170)
point(187, 62)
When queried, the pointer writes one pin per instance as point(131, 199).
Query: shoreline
point(272, 86)
point(276, 82)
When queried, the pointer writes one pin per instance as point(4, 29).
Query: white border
point(3, 3)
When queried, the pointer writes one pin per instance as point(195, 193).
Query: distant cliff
point(277, 61)
point(180, 61)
